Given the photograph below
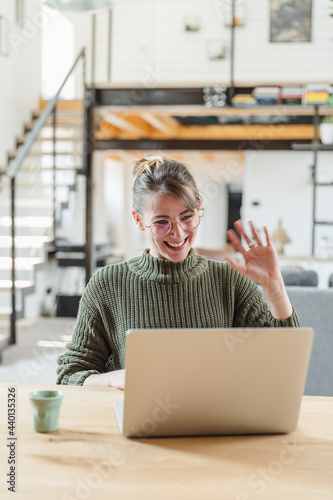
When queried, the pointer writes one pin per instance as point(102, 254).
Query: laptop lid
point(182, 382)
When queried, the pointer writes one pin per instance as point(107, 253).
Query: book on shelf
point(244, 100)
point(267, 90)
point(267, 95)
point(292, 94)
point(317, 93)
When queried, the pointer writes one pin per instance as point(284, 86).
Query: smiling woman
point(166, 202)
point(169, 286)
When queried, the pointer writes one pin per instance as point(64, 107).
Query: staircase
point(41, 206)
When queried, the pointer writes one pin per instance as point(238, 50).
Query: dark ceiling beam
point(152, 145)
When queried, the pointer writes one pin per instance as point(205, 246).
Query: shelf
point(323, 223)
point(199, 110)
point(311, 147)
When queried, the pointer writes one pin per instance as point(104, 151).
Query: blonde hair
point(158, 174)
point(146, 164)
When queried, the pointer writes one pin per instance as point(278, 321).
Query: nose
point(176, 230)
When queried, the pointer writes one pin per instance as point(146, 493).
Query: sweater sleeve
point(89, 348)
point(252, 311)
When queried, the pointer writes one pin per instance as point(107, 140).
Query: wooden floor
point(33, 359)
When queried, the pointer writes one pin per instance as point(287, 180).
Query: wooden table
point(87, 458)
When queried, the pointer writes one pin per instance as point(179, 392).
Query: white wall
point(259, 60)
point(281, 183)
point(158, 44)
point(19, 72)
point(150, 45)
point(58, 55)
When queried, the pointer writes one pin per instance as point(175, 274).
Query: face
point(177, 243)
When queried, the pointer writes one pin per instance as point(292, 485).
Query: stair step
point(27, 203)
point(60, 125)
point(32, 251)
point(27, 231)
point(64, 104)
point(31, 211)
point(40, 162)
point(46, 168)
point(19, 284)
point(45, 177)
point(61, 134)
point(22, 275)
point(30, 221)
point(5, 312)
point(24, 241)
point(42, 139)
point(32, 154)
point(63, 113)
point(35, 187)
point(22, 263)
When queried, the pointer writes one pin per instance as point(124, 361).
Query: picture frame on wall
point(290, 21)
point(4, 36)
point(20, 7)
point(216, 50)
point(192, 23)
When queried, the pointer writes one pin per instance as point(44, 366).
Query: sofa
point(315, 309)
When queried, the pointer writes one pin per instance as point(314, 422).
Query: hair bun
point(146, 164)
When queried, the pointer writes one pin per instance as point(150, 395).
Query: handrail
point(15, 167)
point(24, 151)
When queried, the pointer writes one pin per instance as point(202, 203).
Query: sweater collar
point(166, 271)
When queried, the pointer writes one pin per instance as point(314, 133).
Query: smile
point(176, 245)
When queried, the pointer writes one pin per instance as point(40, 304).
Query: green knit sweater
point(146, 292)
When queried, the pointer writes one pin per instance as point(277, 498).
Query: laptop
point(199, 382)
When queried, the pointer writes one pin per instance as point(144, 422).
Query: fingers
point(255, 234)
point(240, 229)
point(233, 238)
point(255, 241)
point(268, 237)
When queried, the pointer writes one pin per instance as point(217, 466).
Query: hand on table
point(114, 379)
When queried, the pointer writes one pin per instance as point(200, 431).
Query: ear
point(138, 220)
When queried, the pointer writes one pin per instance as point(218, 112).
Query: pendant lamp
point(78, 5)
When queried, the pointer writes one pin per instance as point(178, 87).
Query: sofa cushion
point(315, 309)
point(299, 277)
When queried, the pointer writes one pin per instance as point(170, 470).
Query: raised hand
point(261, 261)
point(261, 266)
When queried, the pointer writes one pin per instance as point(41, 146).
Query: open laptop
point(190, 382)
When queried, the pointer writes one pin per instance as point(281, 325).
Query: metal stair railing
point(49, 112)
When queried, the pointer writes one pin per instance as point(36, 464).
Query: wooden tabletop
point(87, 458)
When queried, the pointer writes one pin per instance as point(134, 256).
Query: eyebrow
point(167, 217)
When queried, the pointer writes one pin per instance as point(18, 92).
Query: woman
point(169, 286)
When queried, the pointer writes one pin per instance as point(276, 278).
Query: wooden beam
point(117, 121)
point(159, 124)
point(247, 132)
point(66, 104)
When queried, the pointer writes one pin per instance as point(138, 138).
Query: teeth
point(176, 244)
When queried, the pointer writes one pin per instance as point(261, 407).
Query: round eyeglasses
point(188, 222)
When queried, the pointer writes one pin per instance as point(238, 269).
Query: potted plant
point(326, 130)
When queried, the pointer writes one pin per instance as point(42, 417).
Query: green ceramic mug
point(45, 410)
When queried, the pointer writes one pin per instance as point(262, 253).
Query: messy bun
point(158, 174)
point(146, 164)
